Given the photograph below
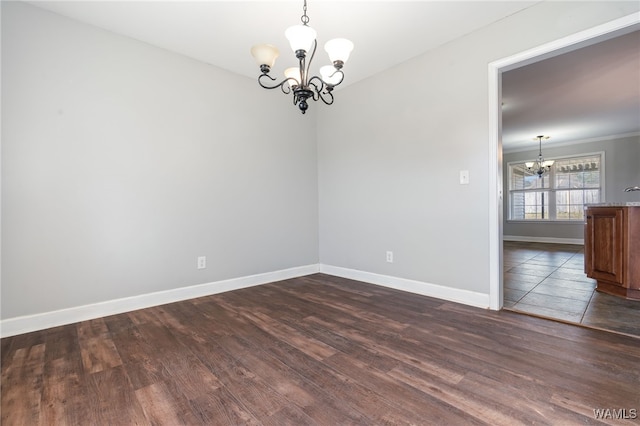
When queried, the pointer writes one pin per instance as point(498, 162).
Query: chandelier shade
point(301, 37)
point(293, 76)
point(265, 54)
point(338, 49)
point(298, 80)
point(537, 164)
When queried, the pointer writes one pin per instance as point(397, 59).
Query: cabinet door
point(605, 244)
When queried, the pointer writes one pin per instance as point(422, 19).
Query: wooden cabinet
point(612, 249)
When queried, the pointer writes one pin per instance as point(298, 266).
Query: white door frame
point(566, 44)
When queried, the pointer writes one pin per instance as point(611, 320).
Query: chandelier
point(302, 39)
point(540, 165)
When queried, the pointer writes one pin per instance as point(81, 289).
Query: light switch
point(464, 177)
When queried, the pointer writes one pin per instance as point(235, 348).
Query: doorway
point(585, 38)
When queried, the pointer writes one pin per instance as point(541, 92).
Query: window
point(559, 194)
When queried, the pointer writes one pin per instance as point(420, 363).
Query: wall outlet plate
point(202, 262)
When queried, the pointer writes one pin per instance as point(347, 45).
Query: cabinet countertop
point(619, 204)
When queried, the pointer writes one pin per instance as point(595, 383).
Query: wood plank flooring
point(319, 350)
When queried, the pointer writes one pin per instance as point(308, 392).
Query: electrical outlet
point(202, 262)
point(390, 256)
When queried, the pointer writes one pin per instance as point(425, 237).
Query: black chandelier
point(302, 39)
point(540, 165)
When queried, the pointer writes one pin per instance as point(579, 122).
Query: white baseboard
point(553, 240)
point(29, 323)
point(466, 297)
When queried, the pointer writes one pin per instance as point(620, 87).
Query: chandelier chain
point(304, 18)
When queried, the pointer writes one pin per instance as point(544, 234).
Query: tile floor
point(549, 280)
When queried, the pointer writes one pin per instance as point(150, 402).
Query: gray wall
point(622, 157)
point(121, 163)
point(391, 148)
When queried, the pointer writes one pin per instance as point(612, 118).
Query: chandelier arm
point(317, 88)
point(323, 91)
point(303, 71)
point(328, 100)
point(337, 71)
point(286, 89)
point(307, 66)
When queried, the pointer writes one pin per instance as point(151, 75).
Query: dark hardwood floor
point(319, 350)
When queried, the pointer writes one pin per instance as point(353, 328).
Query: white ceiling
point(583, 97)
point(221, 33)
